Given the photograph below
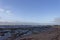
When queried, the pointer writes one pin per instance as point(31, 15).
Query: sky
point(39, 11)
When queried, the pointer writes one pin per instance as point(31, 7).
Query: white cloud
point(8, 15)
point(1, 10)
point(57, 20)
point(7, 11)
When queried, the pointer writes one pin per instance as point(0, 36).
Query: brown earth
point(49, 35)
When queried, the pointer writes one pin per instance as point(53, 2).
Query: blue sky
point(40, 11)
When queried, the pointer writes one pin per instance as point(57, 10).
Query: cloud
point(7, 11)
point(6, 14)
point(1, 10)
point(57, 20)
point(0, 17)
